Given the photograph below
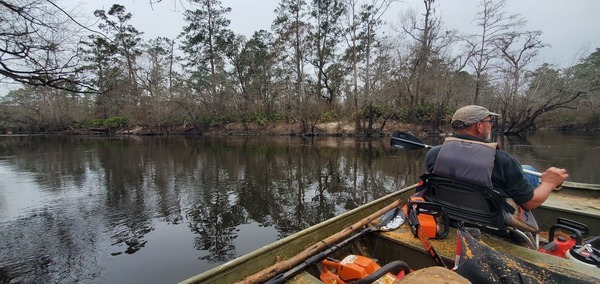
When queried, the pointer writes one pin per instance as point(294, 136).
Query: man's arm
point(551, 179)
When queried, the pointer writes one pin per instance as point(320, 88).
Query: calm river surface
point(162, 209)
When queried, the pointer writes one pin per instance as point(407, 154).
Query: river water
point(162, 209)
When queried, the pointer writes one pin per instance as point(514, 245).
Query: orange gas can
point(352, 268)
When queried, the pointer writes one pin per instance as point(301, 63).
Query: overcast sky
point(569, 27)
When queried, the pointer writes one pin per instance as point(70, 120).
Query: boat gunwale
point(581, 185)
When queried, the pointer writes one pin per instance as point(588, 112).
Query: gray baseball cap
point(469, 115)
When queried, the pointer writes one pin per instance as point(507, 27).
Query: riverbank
point(334, 129)
point(320, 129)
point(337, 129)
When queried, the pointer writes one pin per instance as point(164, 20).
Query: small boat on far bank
point(575, 202)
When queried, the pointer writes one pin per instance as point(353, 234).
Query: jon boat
point(576, 201)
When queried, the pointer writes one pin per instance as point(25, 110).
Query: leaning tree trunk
point(523, 119)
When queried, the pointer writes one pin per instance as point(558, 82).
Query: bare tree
point(352, 55)
point(362, 23)
point(571, 94)
point(429, 77)
point(157, 71)
point(325, 38)
point(518, 49)
point(43, 109)
point(495, 25)
point(39, 45)
point(424, 32)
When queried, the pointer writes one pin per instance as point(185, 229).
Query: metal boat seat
point(474, 205)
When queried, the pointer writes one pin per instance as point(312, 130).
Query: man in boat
point(469, 156)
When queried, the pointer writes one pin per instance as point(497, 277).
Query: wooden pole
point(284, 265)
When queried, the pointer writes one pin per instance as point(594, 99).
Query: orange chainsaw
point(428, 220)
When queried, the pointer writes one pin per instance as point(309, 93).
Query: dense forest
point(321, 61)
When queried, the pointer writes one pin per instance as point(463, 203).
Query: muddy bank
point(338, 129)
point(341, 129)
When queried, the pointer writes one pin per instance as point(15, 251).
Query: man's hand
point(555, 177)
point(552, 178)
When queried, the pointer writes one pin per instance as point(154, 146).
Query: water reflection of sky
point(167, 246)
point(23, 193)
point(19, 193)
point(253, 231)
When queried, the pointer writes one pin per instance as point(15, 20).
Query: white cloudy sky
point(569, 27)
